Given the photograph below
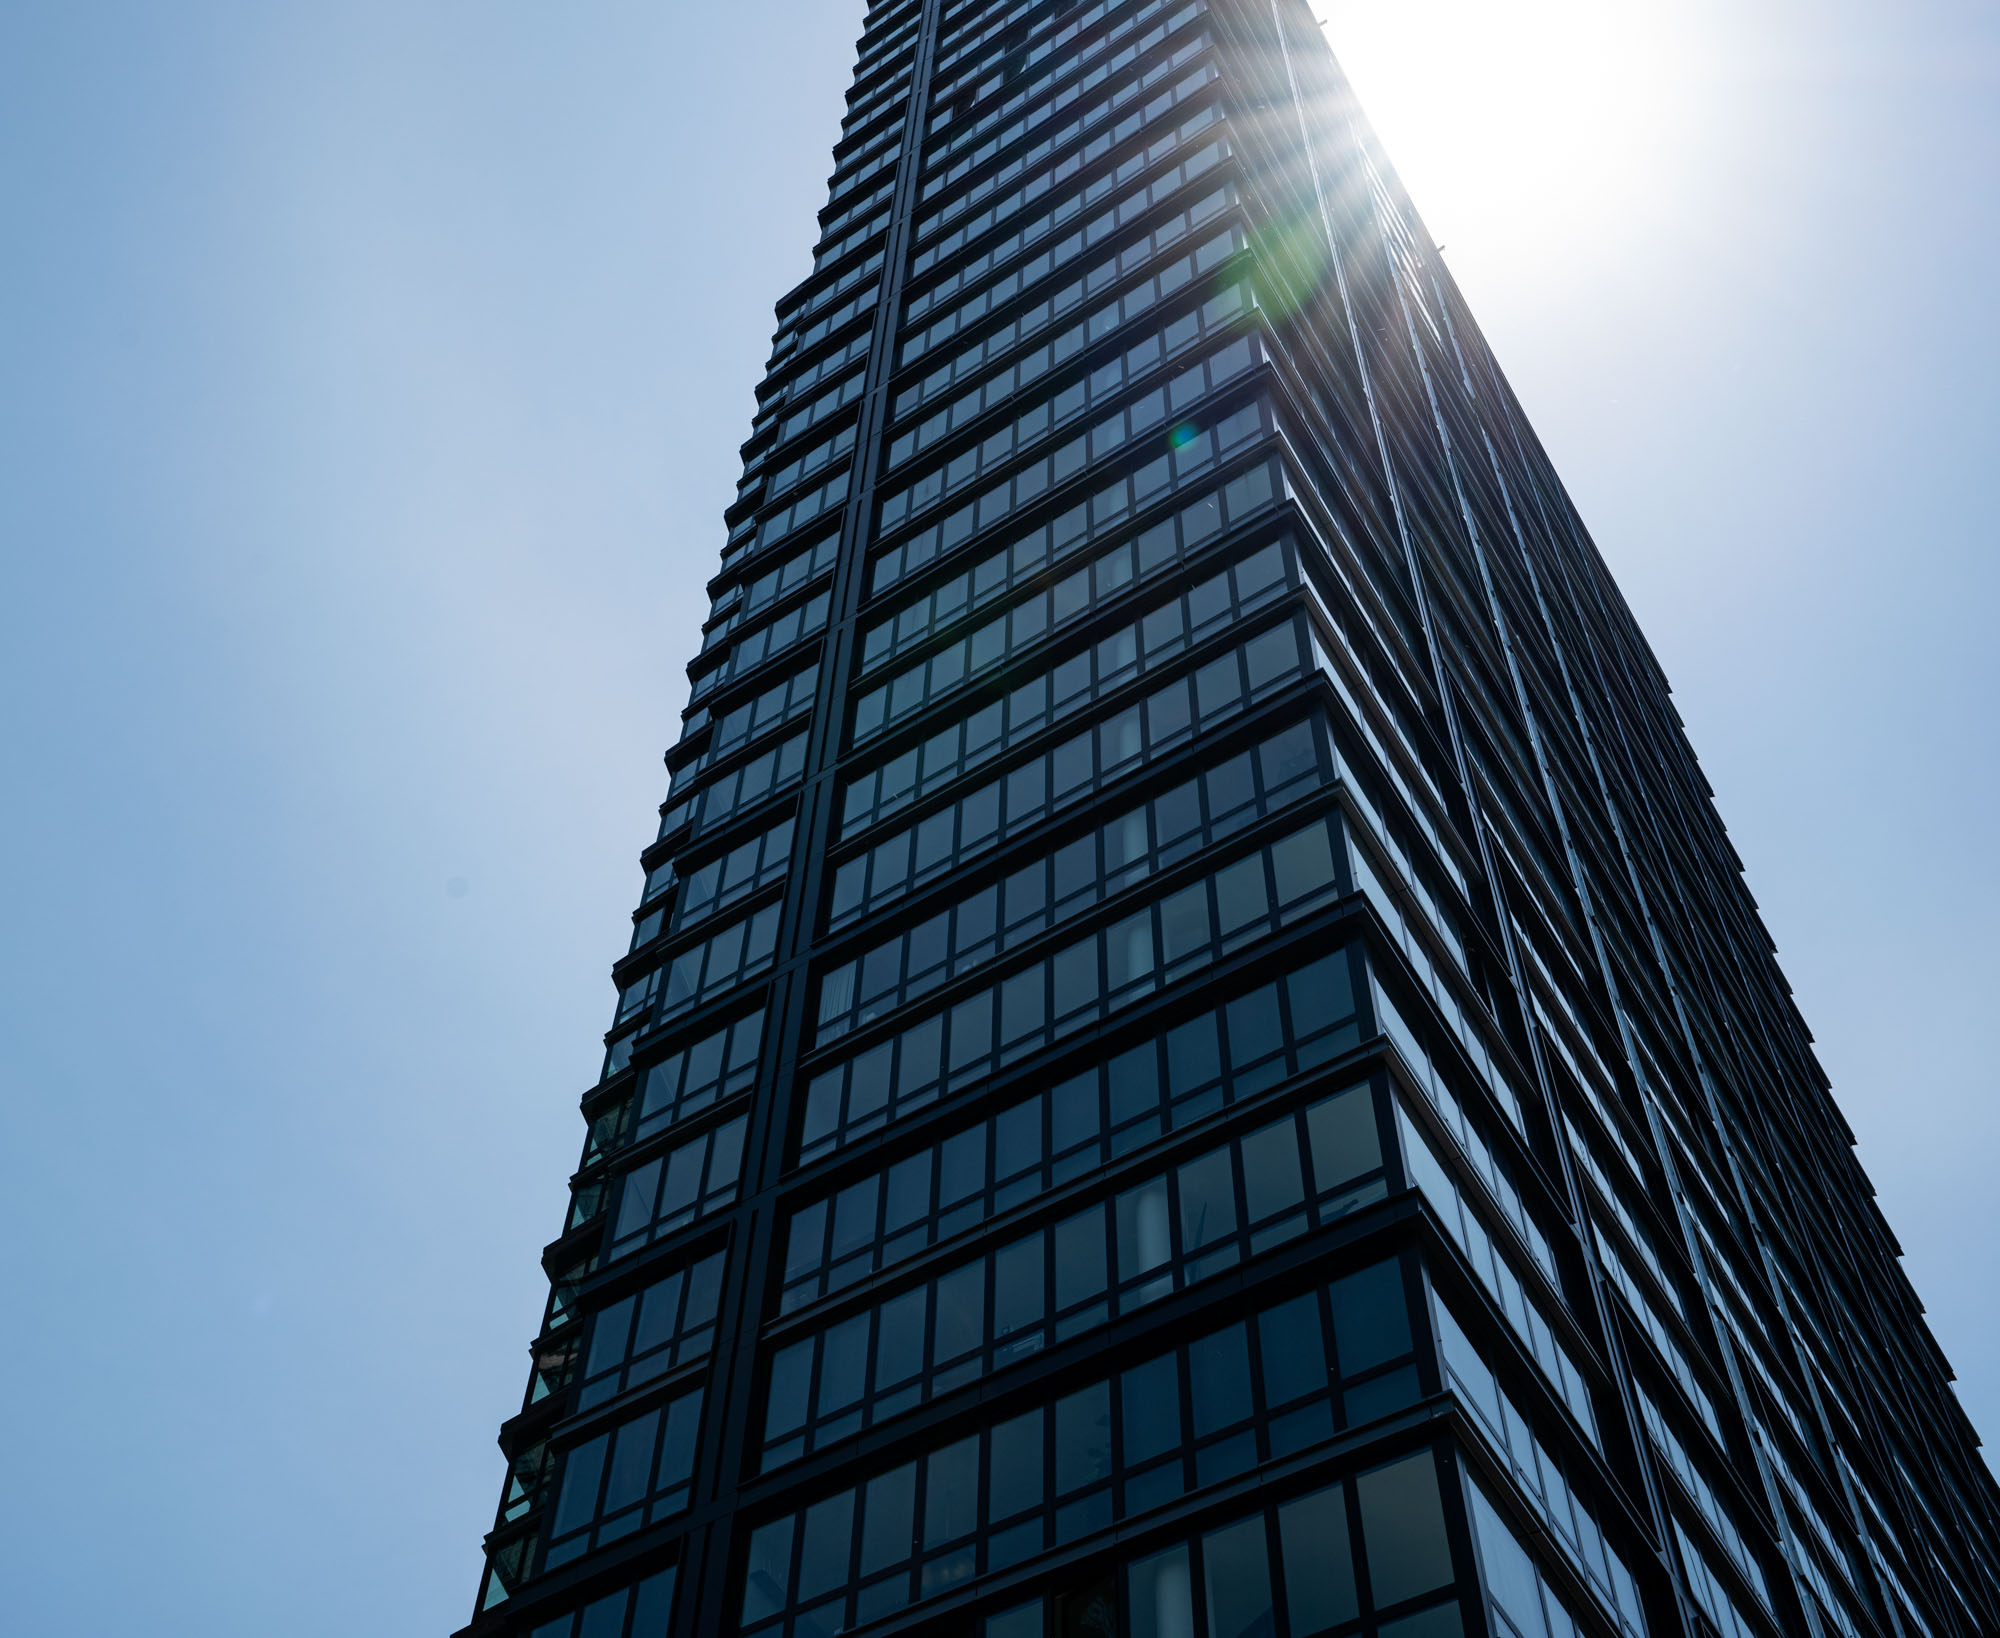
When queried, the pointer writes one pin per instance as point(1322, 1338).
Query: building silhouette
point(1195, 1060)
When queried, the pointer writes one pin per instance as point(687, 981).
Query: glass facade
point(1194, 1060)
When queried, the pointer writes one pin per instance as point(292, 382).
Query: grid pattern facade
point(1195, 1061)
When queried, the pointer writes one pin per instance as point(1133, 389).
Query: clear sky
point(370, 381)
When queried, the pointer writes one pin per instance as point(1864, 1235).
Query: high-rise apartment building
point(1195, 1061)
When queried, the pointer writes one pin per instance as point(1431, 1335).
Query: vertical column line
point(703, 1606)
point(1447, 708)
point(1614, 1350)
point(1732, 1372)
point(1710, 1104)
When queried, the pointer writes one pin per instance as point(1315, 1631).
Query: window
point(1028, 177)
point(763, 775)
point(765, 642)
point(1310, 1564)
point(781, 702)
point(1709, 1590)
point(960, 146)
point(1235, 905)
point(648, 927)
point(687, 1080)
point(1403, 1524)
point(1674, 1455)
point(1145, 286)
point(778, 525)
point(809, 461)
point(672, 1191)
point(1185, 455)
point(1432, 1081)
point(818, 408)
point(1025, 562)
point(631, 1612)
point(1135, 422)
point(1130, 206)
point(1165, 717)
point(1523, 1604)
point(1622, 1280)
point(1230, 594)
point(669, 1323)
point(1495, 1270)
point(802, 379)
point(636, 1474)
point(721, 881)
point(1008, 385)
point(1258, 1039)
point(1278, 769)
point(1089, 979)
point(739, 952)
point(1058, 1283)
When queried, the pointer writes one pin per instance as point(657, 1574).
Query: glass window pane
point(1135, 1082)
point(605, 1618)
point(1271, 1181)
point(1440, 1622)
point(1254, 1030)
point(791, 1373)
point(823, 1553)
point(1159, 1600)
point(1073, 1112)
point(843, 1364)
point(635, 1210)
point(1509, 1572)
point(951, 1492)
point(1371, 1323)
point(1303, 863)
point(1293, 1348)
point(631, 1461)
point(961, 1315)
point(1184, 924)
point(654, 1606)
point(1319, 1564)
point(1208, 1201)
point(1080, 1272)
point(658, 1312)
point(1143, 1241)
point(1083, 1438)
point(1321, 994)
point(1236, 1569)
point(1023, 1621)
point(769, 1576)
point(1014, 1469)
point(888, 1520)
point(1402, 1527)
point(899, 1344)
point(578, 1502)
point(1219, 1379)
point(677, 1444)
point(1240, 895)
point(1018, 1287)
point(607, 1341)
point(1194, 1055)
point(1150, 1409)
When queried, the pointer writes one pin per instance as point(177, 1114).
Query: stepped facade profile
point(1195, 1060)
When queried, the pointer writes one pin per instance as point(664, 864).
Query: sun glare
point(1538, 121)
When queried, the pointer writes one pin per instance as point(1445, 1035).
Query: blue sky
point(372, 380)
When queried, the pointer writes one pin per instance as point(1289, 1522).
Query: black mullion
point(768, 1135)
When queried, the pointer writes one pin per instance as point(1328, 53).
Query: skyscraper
point(1195, 1061)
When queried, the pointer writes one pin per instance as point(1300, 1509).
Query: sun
point(1528, 125)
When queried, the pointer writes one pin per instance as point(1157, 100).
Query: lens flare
point(1519, 126)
